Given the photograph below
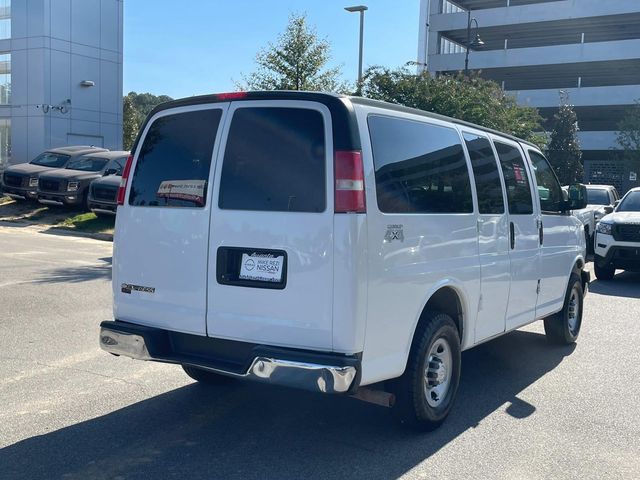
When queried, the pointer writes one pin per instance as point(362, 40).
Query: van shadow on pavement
point(625, 284)
point(256, 431)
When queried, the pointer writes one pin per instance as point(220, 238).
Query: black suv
point(70, 185)
point(21, 181)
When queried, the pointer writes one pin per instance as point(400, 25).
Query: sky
point(192, 47)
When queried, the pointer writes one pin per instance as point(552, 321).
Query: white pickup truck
point(337, 244)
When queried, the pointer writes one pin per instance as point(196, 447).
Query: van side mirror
point(577, 196)
point(110, 171)
point(608, 209)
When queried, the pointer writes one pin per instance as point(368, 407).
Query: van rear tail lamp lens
point(123, 182)
point(349, 182)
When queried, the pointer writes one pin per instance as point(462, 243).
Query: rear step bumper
point(307, 370)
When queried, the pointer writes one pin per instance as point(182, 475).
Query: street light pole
point(361, 9)
point(477, 41)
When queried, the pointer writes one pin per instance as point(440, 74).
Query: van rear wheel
point(426, 391)
point(206, 376)
point(563, 327)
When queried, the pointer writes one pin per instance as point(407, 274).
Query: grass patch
point(4, 200)
point(37, 214)
point(89, 222)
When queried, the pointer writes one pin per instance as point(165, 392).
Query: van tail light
point(123, 182)
point(349, 182)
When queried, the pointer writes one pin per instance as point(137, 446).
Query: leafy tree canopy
point(564, 149)
point(297, 61)
point(471, 99)
point(135, 108)
point(629, 132)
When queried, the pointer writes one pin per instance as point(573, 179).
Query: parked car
point(601, 199)
point(337, 244)
point(588, 219)
point(618, 238)
point(103, 195)
point(21, 181)
point(70, 185)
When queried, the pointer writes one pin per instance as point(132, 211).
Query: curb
point(65, 231)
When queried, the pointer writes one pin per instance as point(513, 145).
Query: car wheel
point(85, 202)
point(604, 272)
point(563, 327)
point(206, 376)
point(426, 391)
point(589, 241)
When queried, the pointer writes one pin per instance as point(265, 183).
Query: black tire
point(205, 376)
point(606, 272)
point(85, 202)
point(563, 327)
point(589, 240)
point(411, 390)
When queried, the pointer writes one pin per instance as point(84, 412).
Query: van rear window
point(173, 165)
point(420, 167)
point(275, 160)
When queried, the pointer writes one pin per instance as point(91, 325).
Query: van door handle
point(512, 235)
point(540, 231)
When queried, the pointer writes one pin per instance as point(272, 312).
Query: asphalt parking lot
point(524, 410)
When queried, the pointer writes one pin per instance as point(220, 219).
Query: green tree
point(471, 99)
point(129, 123)
point(135, 108)
point(629, 137)
point(143, 103)
point(297, 61)
point(564, 148)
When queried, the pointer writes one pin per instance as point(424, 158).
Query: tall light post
point(477, 41)
point(361, 9)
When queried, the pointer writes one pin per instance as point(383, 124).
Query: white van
point(332, 243)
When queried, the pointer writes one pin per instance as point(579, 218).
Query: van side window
point(516, 179)
point(485, 173)
point(549, 189)
point(419, 167)
point(173, 165)
point(275, 161)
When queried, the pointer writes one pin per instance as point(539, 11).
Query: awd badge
point(394, 232)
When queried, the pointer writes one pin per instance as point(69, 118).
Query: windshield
point(87, 164)
point(630, 203)
point(48, 159)
point(597, 196)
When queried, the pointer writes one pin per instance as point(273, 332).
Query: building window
point(448, 7)
point(5, 78)
point(5, 142)
point(5, 19)
point(449, 46)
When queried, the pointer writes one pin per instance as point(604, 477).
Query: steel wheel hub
point(437, 372)
point(573, 312)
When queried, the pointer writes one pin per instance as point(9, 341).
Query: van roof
point(345, 130)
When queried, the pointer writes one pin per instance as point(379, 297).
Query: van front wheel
point(563, 327)
point(205, 376)
point(425, 392)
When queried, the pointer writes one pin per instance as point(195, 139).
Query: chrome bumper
point(304, 375)
point(46, 201)
point(103, 211)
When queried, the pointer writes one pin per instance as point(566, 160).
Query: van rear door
point(162, 231)
point(271, 242)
